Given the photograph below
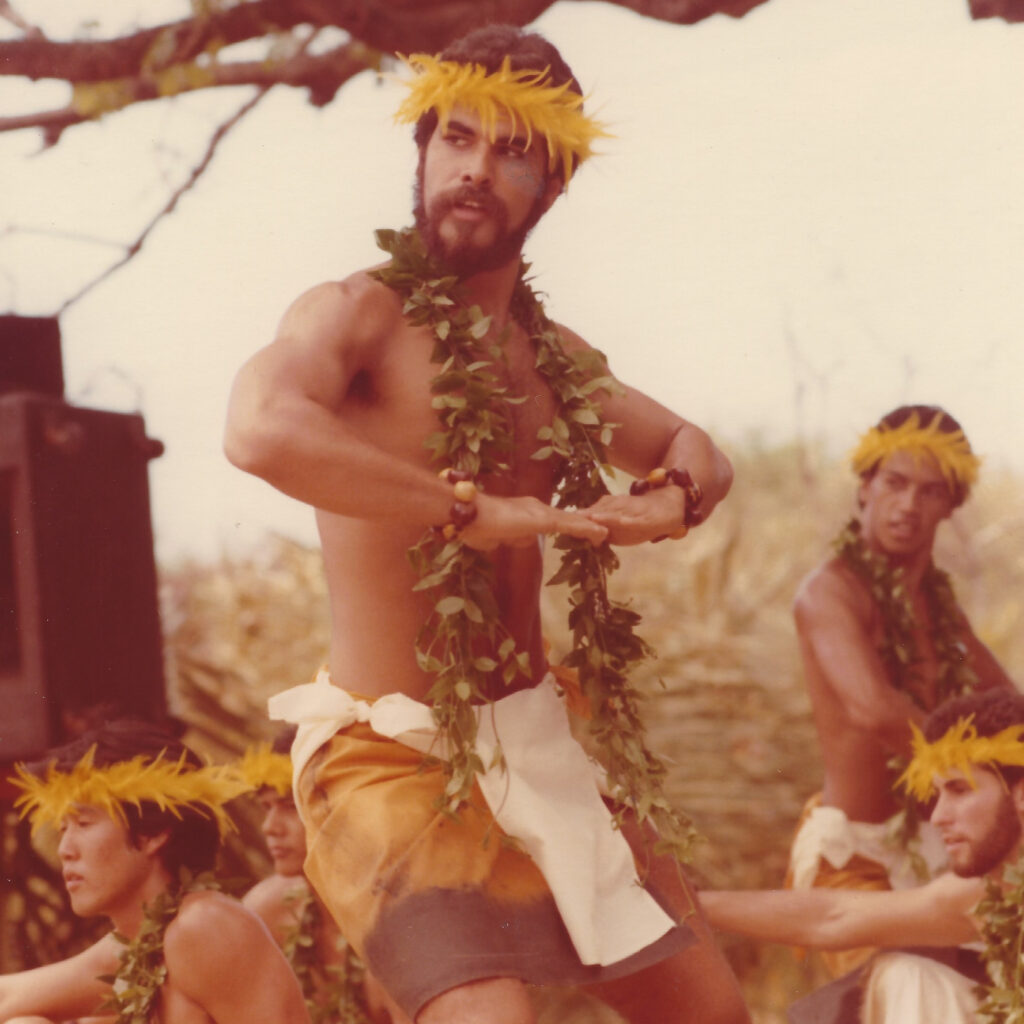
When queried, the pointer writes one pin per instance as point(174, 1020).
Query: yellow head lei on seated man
point(527, 97)
point(959, 465)
point(957, 750)
point(260, 766)
point(171, 785)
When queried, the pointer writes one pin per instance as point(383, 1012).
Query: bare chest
point(394, 405)
point(913, 660)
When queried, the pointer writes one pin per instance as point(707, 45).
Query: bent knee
point(490, 1001)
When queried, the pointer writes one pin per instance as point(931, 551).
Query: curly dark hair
point(926, 415)
point(193, 838)
point(993, 710)
point(489, 47)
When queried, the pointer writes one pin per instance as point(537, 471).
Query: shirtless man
point(971, 755)
point(337, 413)
point(135, 809)
point(883, 642)
point(332, 977)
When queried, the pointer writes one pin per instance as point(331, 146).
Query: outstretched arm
point(935, 914)
point(63, 990)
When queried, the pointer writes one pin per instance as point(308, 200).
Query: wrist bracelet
point(463, 510)
point(662, 477)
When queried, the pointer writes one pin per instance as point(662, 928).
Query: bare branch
point(135, 247)
point(322, 74)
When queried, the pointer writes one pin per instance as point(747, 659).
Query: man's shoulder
point(829, 583)
point(210, 924)
point(276, 893)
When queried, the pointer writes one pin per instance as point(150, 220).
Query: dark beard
point(998, 844)
point(464, 260)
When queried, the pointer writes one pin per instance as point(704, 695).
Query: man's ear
point(553, 188)
point(1017, 795)
point(152, 844)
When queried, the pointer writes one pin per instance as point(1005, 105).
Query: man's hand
point(636, 519)
point(519, 521)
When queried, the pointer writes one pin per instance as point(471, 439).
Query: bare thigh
point(493, 1001)
point(695, 986)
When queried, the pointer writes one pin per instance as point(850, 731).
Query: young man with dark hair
point(139, 817)
point(334, 981)
point(883, 642)
point(968, 763)
point(491, 862)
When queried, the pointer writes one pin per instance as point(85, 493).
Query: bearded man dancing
point(456, 832)
point(883, 642)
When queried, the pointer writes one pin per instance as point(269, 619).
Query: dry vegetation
point(727, 704)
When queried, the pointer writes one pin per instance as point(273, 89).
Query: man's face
point(103, 872)
point(284, 832)
point(980, 826)
point(476, 200)
point(903, 503)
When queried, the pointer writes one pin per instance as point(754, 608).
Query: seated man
point(333, 979)
point(884, 642)
point(140, 818)
point(972, 754)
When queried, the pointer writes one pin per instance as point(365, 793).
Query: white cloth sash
point(545, 797)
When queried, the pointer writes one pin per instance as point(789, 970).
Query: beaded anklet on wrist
point(662, 477)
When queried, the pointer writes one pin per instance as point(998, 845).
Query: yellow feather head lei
point(959, 465)
point(261, 766)
point(957, 750)
point(527, 97)
point(171, 785)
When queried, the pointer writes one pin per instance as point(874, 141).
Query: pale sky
point(805, 217)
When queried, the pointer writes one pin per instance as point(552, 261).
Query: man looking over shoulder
point(494, 863)
point(139, 818)
point(883, 642)
point(970, 762)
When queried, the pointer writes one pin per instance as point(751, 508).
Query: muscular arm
point(287, 423)
point(63, 990)
point(647, 436)
point(935, 914)
point(833, 625)
point(221, 957)
point(990, 673)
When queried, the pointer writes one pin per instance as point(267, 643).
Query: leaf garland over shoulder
point(142, 970)
point(465, 646)
point(333, 992)
point(899, 648)
point(1001, 913)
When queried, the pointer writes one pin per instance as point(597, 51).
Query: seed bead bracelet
point(463, 510)
point(662, 477)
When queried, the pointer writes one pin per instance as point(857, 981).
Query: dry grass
point(727, 705)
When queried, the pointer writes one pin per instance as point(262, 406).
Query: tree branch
point(133, 248)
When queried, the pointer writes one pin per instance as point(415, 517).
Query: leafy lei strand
point(141, 968)
point(465, 646)
point(1002, 915)
point(333, 992)
point(899, 649)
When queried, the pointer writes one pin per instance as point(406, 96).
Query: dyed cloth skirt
point(431, 902)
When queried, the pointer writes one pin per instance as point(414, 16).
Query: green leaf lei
point(1002, 916)
point(142, 971)
point(898, 647)
point(333, 992)
point(465, 646)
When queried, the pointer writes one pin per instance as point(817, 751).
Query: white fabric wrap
point(906, 989)
point(830, 835)
point(545, 796)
